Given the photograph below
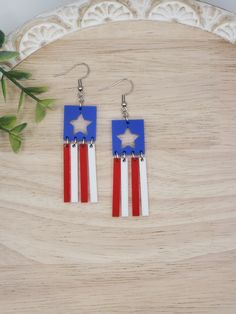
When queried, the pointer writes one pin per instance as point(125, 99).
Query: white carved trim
point(81, 14)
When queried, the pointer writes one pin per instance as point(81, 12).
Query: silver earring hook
point(117, 83)
point(73, 67)
point(124, 109)
point(80, 84)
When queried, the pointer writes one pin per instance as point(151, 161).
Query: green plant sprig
point(41, 104)
point(8, 123)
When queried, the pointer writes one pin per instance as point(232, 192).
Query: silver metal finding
point(141, 156)
point(124, 109)
point(117, 83)
point(124, 156)
point(73, 67)
point(75, 142)
point(80, 84)
point(80, 93)
point(91, 142)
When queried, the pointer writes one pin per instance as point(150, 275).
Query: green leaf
point(47, 103)
point(21, 100)
point(15, 142)
point(37, 90)
point(2, 38)
point(19, 128)
point(40, 112)
point(8, 121)
point(19, 75)
point(4, 88)
point(6, 55)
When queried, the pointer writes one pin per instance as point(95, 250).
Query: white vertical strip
point(124, 188)
point(74, 175)
point(143, 186)
point(92, 173)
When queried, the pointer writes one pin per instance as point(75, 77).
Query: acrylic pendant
point(66, 173)
point(128, 150)
point(80, 181)
point(135, 186)
point(116, 187)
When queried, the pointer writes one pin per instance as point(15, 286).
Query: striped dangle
point(128, 147)
point(80, 179)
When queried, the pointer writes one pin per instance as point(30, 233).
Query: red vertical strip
point(66, 173)
point(83, 163)
point(135, 186)
point(116, 188)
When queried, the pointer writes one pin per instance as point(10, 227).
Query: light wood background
point(65, 258)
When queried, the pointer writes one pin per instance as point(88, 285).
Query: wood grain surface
point(60, 258)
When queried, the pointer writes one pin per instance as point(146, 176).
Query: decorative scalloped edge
point(81, 14)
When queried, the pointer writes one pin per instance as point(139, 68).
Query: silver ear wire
point(80, 84)
point(73, 67)
point(117, 83)
point(124, 109)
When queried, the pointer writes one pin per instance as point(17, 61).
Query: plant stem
point(4, 129)
point(5, 73)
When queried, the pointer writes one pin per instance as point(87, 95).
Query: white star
point(127, 138)
point(80, 125)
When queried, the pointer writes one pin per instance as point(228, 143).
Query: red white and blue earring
point(128, 147)
point(80, 180)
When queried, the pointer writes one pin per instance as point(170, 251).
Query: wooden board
point(67, 258)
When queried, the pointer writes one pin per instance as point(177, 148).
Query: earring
point(128, 141)
point(80, 179)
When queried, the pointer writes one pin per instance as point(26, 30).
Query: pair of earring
point(80, 180)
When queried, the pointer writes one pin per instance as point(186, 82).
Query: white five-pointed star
point(80, 125)
point(127, 138)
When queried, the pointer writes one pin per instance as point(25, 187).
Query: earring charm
point(80, 180)
point(128, 147)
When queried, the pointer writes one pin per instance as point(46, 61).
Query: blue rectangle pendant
point(128, 137)
point(80, 123)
